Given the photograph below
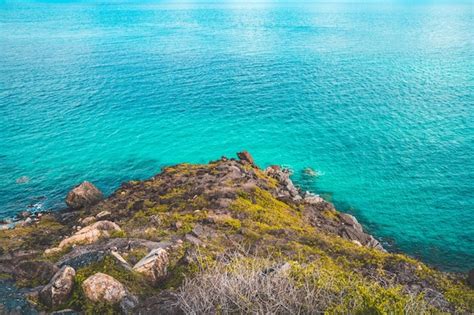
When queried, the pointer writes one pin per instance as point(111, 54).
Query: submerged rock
point(22, 180)
point(59, 288)
point(308, 171)
point(83, 195)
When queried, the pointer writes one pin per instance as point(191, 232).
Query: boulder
point(83, 195)
point(154, 265)
point(245, 156)
point(90, 234)
point(102, 288)
point(58, 290)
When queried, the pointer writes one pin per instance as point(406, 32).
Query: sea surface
point(376, 98)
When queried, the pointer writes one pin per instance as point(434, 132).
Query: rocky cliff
point(222, 237)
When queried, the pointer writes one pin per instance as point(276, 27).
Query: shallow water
point(378, 98)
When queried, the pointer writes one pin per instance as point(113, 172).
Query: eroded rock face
point(103, 288)
point(59, 288)
point(154, 265)
point(83, 195)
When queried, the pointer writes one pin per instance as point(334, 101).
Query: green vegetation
point(263, 212)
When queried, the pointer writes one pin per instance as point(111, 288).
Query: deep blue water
point(378, 98)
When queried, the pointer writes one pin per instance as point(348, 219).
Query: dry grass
point(242, 285)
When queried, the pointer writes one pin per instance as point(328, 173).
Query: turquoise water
point(378, 98)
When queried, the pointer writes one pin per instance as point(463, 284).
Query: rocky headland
point(223, 237)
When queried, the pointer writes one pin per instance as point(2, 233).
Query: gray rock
point(59, 288)
point(83, 195)
point(84, 255)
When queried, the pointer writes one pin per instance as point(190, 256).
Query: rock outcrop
point(83, 195)
point(59, 288)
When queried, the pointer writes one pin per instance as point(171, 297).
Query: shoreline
point(26, 218)
point(225, 207)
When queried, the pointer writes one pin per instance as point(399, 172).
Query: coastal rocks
point(83, 195)
point(287, 190)
point(102, 288)
point(245, 156)
point(353, 231)
point(312, 198)
point(59, 288)
point(91, 233)
point(154, 265)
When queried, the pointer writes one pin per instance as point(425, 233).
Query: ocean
point(377, 98)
